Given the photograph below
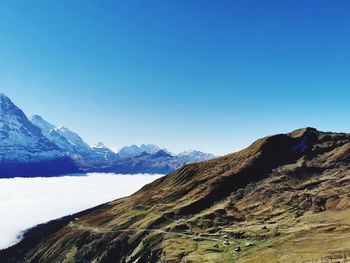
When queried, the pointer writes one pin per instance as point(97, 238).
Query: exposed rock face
point(24, 151)
point(283, 194)
point(70, 143)
point(21, 140)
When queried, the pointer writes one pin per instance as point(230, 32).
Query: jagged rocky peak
point(24, 150)
point(130, 151)
point(18, 133)
point(10, 113)
point(72, 137)
point(59, 134)
point(74, 146)
point(4, 100)
point(134, 150)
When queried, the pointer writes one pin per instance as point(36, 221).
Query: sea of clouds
point(26, 202)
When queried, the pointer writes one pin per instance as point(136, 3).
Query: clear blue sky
point(210, 75)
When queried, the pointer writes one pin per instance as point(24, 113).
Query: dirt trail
point(105, 230)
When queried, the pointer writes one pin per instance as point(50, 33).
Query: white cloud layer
point(26, 202)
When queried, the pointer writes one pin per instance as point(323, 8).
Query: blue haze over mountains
point(35, 147)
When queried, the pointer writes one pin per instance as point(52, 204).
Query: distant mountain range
point(35, 147)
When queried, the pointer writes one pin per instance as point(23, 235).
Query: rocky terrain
point(283, 199)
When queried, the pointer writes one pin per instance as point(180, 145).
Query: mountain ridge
point(35, 147)
point(146, 158)
point(23, 148)
point(246, 206)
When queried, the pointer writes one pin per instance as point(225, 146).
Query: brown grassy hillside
point(283, 199)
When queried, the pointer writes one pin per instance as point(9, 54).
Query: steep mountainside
point(103, 152)
point(283, 199)
point(88, 158)
point(24, 151)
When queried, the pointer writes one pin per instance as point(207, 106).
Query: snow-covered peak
point(72, 144)
point(194, 155)
point(129, 151)
point(149, 148)
point(101, 145)
point(20, 140)
point(41, 123)
point(62, 136)
point(134, 150)
point(72, 137)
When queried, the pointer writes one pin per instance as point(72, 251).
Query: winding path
point(154, 230)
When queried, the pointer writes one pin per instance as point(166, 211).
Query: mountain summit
point(284, 198)
point(88, 158)
point(23, 148)
point(134, 150)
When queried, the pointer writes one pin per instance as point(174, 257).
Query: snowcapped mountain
point(20, 140)
point(134, 150)
point(73, 145)
point(104, 152)
point(23, 145)
point(152, 159)
point(149, 148)
point(51, 133)
point(67, 140)
point(36, 147)
point(74, 139)
point(195, 156)
point(129, 151)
